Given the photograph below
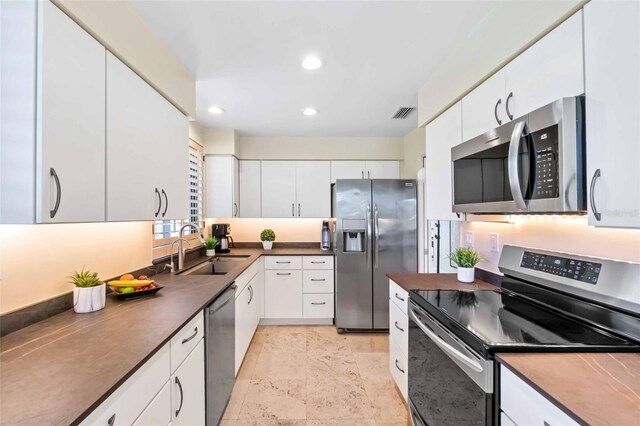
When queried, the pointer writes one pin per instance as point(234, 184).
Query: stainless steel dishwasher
point(220, 326)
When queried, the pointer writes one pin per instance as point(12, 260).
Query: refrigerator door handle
point(376, 237)
point(367, 245)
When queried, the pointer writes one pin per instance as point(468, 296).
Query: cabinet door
point(171, 155)
point(441, 135)
point(249, 183)
point(483, 108)
point(382, 170)
point(283, 294)
point(71, 128)
point(158, 412)
point(347, 170)
point(549, 70)
point(220, 186)
point(242, 321)
point(133, 108)
point(313, 189)
point(187, 390)
point(236, 188)
point(612, 42)
point(278, 189)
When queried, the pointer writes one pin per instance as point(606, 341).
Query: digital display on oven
point(580, 270)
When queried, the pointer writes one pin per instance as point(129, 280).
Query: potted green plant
point(210, 245)
point(466, 259)
point(267, 236)
point(89, 291)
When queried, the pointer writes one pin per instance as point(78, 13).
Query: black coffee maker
point(221, 231)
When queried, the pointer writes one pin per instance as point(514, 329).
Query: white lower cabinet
point(399, 337)
point(317, 305)
point(187, 390)
point(524, 406)
point(248, 311)
point(398, 367)
point(158, 411)
point(283, 293)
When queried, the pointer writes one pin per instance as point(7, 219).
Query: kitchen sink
point(209, 268)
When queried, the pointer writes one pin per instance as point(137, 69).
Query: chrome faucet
point(171, 264)
point(181, 239)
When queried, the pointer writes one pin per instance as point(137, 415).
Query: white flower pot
point(466, 275)
point(211, 252)
point(267, 245)
point(89, 299)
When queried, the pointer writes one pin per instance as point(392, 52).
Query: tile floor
point(311, 375)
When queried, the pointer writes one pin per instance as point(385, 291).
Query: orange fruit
point(126, 277)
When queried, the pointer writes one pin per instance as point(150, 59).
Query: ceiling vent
point(402, 113)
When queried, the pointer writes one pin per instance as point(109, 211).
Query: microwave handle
point(514, 179)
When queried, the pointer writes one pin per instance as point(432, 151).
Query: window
point(166, 231)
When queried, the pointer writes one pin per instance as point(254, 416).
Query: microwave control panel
point(580, 270)
point(545, 144)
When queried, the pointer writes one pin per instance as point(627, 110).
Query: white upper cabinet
point(313, 189)
point(278, 189)
point(550, 69)
point(612, 86)
point(296, 189)
point(441, 135)
point(147, 150)
point(383, 169)
point(372, 169)
point(53, 117)
point(343, 169)
point(222, 186)
point(483, 108)
point(249, 183)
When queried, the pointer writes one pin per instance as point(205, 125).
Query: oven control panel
point(545, 143)
point(580, 270)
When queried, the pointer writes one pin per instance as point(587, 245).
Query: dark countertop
point(60, 369)
point(592, 388)
point(412, 281)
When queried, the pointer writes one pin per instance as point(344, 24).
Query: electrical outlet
point(495, 242)
point(468, 238)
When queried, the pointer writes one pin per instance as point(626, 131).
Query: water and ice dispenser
point(353, 235)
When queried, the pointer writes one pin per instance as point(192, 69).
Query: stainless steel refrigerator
point(375, 234)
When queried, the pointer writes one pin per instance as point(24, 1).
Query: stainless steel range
point(548, 302)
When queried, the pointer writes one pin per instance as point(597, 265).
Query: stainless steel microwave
point(534, 163)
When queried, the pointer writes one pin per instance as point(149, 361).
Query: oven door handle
point(512, 165)
point(447, 348)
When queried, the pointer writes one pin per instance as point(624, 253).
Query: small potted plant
point(267, 236)
point(466, 259)
point(89, 291)
point(210, 245)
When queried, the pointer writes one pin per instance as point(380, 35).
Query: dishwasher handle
point(223, 299)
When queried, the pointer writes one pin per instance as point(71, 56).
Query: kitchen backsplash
point(287, 230)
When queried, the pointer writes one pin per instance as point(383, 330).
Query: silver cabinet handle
point(195, 333)
point(495, 111)
point(398, 327)
point(112, 420)
point(398, 367)
point(181, 396)
point(318, 303)
point(283, 273)
point(318, 279)
point(376, 236)
point(250, 295)
point(506, 106)
point(546, 423)
point(159, 203)
point(592, 200)
point(399, 298)
point(367, 245)
point(368, 175)
point(282, 261)
point(298, 209)
point(166, 203)
point(293, 210)
point(235, 209)
point(52, 172)
point(316, 261)
point(362, 174)
point(512, 165)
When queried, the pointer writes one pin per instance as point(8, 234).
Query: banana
point(129, 283)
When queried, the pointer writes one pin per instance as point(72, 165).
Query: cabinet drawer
point(283, 262)
point(159, 411)
point(318, 281)
point(186, 339)
point(399, 296)
point(399, 327)
point(318, 306)
point(317, 262)
point(525, 406)
point(398, 366)
point(126, 403)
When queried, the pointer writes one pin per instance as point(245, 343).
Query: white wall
point(320, 148)
point(414, 151)
point(220, 141)
point(559, 233)
point(488, 48)
point(119, 27)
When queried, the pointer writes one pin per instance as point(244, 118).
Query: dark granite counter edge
point(541, 391)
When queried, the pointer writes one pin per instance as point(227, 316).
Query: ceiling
point(245, 57)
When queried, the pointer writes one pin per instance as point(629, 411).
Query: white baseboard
point(296, 321)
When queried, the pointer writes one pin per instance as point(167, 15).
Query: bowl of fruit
point(129, 287)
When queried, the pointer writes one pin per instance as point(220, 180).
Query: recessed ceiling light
point(215, 110)
point(310, 111)
point(311, 63)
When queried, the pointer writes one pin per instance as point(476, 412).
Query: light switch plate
point(468, 238)
point(495, 242)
